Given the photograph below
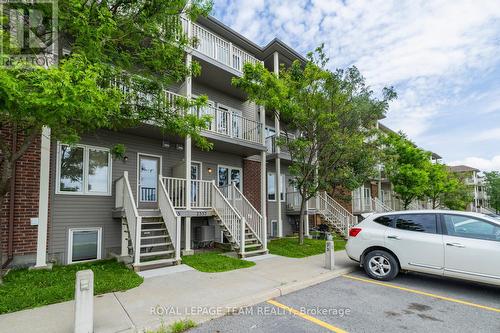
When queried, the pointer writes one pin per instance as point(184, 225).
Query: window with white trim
point(282, 188)
point(84, 244)
point(83, 169)
point(227, 175)
point(271, 186)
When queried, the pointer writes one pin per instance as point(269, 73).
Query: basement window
point(84, 244)
point(83, 169)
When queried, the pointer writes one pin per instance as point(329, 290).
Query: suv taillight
point(354, 232)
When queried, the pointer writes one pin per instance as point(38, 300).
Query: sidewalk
point(183, 292)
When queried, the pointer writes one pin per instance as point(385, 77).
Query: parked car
point(448, 243)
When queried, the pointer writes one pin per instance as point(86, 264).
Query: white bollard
point(329, 253)
point(84, 302)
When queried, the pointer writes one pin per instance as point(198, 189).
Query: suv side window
point(417, 222)
point(385, 220)
point(470, 227)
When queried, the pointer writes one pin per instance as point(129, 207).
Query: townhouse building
point(377, 195)
point(477, 184)
point(165, 197)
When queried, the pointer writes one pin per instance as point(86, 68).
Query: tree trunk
point(302, 220)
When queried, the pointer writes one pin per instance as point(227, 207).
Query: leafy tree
point(330, 118)
point(118, 57)
point(459, 194)
point(406, 167)
point(493, 189)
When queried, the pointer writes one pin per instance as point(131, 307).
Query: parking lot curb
point(299, 285)
point(264, 296)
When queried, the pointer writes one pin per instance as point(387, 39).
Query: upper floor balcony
point(272, 148)
point(227, 124)
point(217, 48)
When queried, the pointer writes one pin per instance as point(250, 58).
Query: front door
point(148, 181)
point(472, 248)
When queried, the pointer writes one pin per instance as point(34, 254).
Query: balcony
point(228, 124)
point(232, 125)
point(271, 147)
point(217, 48)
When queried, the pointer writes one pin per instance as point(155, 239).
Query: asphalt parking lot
point(355, 303)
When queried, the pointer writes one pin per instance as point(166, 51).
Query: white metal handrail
point(232, 124)
point(201, 194)
point(234, 223)
point(125, 200)
point(252, 217)
point(329, 206)
point(380, 206)
point(176, 190)
point(293, 200)
point(217, 48)
point(171, 219)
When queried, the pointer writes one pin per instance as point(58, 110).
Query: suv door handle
point(393, 237)
point(455, 245)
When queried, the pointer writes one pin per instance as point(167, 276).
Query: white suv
point(441, 242)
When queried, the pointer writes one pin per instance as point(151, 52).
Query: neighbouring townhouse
point(477, 183)
point(165, 197)
point(377, 195)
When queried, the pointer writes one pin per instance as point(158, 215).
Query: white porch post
point(43, 200)
point(187, 158)
point(263, 186)
point(278, 160)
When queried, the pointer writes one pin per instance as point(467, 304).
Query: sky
point(442, 57)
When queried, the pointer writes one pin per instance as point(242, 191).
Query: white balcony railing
point(217, 48)
point(232, 124)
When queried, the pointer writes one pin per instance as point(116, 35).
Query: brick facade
point(27, 182)
point(251, 188)
point(344, 197)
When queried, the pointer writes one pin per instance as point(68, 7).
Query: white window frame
point(283, 187)
point(229, 168)
point(272, 229)
point(70, 244)
point(85, 183)
point(271, 175)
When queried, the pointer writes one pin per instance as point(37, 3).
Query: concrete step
point(145, 265)
point(157, 253)
point(254, 253)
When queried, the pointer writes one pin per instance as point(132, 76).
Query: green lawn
point(211, 262)
point(289, 247)
point(24, 289)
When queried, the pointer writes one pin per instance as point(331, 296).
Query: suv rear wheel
point(380, 265)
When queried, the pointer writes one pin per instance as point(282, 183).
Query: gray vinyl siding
point(82, 211)
point(247, 108)
point(272, 206)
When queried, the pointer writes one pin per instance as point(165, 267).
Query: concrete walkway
point(180, 292)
